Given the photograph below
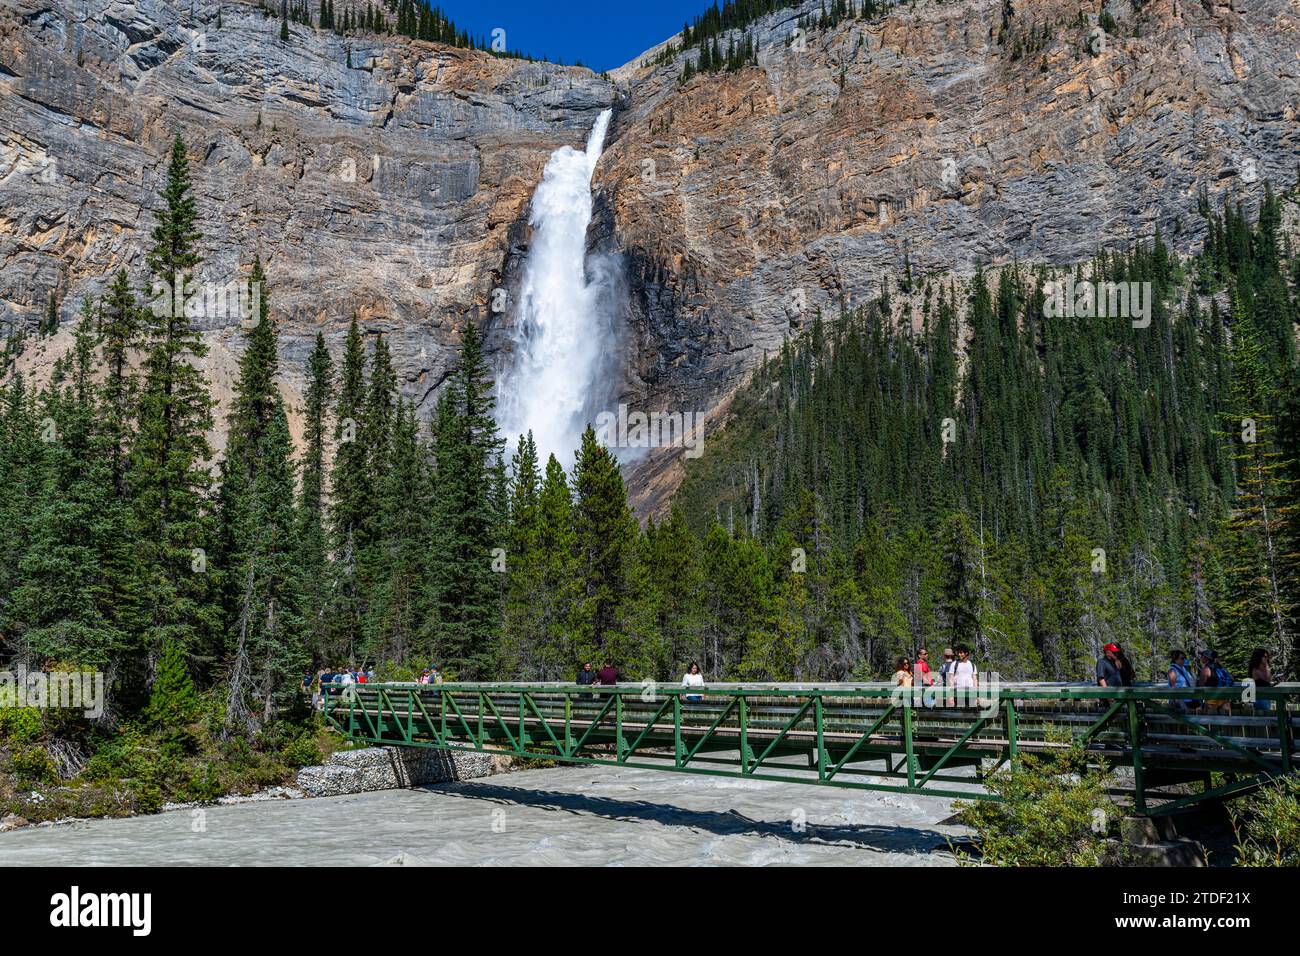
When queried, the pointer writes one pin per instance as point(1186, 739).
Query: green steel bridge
point(1182, 746)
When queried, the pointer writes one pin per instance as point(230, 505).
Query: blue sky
point(602, 34)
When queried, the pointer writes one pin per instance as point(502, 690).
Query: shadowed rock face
point(746, 201)
point(397, 187)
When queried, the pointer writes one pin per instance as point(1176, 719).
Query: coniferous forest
point(943, 465)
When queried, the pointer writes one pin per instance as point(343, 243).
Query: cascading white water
point(564, 326)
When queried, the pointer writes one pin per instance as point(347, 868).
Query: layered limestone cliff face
point(382, 177)
point(391, 178)
point(747, 201)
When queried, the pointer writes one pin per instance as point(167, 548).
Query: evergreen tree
point(351, 498)
point(399, 609)
point(59, 606)
point(173, 702)
point(265, 635)
point(522, 624)
point(605, 540)
point(167, 470)
point(1260, 593)
point(120, 324)
point(312, 530)
point(466, 589)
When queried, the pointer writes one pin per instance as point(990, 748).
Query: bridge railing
point(827, 733)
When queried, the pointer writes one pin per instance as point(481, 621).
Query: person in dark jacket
point(586, 677)
point(1113, 668)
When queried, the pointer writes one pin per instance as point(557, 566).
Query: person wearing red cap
point(1113, 668)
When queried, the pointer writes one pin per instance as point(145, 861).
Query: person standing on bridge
point(1213, 674)
point(922, 675)
point(608, 675)
point(586, 677)
point(1261, 672)
point(1113, 668)
point(693, 678)
point(945, 669)
point(903, 673)
point(964, 673)
point(1180, 676)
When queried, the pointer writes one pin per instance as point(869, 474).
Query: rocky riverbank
point(344, 772)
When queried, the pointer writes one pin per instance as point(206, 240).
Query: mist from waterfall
point(564, 331)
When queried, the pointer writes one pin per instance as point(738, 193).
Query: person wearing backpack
point(963, 674)
point(945, 669)
point(1214, 674)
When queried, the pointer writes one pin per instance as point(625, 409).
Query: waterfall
point(564, 331)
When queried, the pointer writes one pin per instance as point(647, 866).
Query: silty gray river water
point(586, 816)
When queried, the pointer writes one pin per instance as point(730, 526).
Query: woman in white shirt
point(693, 678)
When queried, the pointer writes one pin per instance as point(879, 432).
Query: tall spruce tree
point(313, 536)
point(398, 610)
point(605, 544)
point(466, 586)
point(60, 604)
point(167, 470)
point(557, 654)
point(521, 637)
point(351, 501)
point(1261, 592)
point(266, 631)
point(120, 326)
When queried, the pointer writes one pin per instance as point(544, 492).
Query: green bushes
point(137, 769)
point(126, 755)
point(1268, 826)
point(20, 725)
point(172, 753)
point(1054, 812)
point(33, 765)
point(302, 751)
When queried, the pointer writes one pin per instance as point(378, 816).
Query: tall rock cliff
point(377, 176)
point(391, 178)
point(946, 134)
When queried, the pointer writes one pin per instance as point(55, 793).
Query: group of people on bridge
point(607, 676)
point(957, 669)
point(1113, 670)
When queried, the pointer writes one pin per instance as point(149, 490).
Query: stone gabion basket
point(389, 768)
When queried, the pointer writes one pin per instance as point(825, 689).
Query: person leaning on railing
point(1261, 672)
point(1180, 676)
point(693, 678)
point(1210, 673)
point(586, 677)
point(1113, 668)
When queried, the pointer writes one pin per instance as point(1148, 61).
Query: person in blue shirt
point(1180, 675)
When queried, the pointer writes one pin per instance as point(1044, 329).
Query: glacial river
point(590, 816)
